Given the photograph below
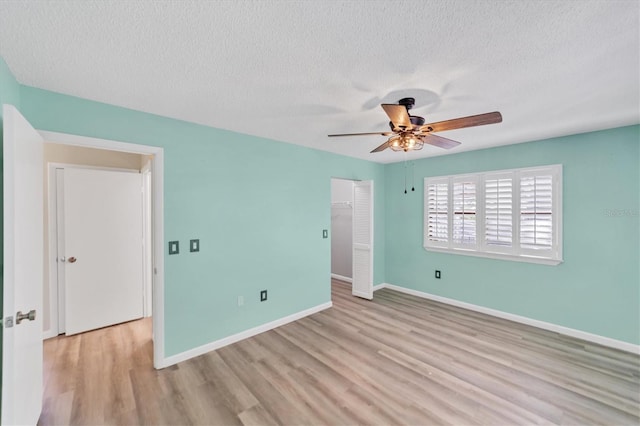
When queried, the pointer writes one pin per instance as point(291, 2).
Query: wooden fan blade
point(439, 141)
point(362, 134)
point(381, 147)
point(398, 115)
point(459, 123)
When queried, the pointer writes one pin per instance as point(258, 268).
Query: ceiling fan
point(409, 133)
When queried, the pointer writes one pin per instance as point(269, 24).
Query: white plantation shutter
point(536, 212)
point(508, 214)
point(498, 211)
point(464, 212)
point(437, 213)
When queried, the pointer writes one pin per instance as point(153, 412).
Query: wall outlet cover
point(325, 233)
point(438, 274)
point(263, 295)
point(194, 246)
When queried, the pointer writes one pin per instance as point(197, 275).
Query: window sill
point(499, 256)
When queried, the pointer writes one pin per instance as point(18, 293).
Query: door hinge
point(8, 322)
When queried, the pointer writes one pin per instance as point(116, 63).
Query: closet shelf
point(341, 204)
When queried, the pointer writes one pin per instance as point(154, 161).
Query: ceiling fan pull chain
point(405, 172)
point(413, 176)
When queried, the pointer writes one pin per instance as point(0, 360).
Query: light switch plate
point(325, 233)
point(174, 247)
point(194, 245)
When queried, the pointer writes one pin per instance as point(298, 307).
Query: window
point(506, 214)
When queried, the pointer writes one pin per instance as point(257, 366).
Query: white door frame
point(56, 291)
point(157, 169)
point(147, 253)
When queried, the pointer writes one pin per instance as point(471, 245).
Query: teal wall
point(258, 207)
point(595, 290)
point(9, 94)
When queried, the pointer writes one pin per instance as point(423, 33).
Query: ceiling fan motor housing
point(408, 103)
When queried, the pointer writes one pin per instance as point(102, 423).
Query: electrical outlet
point(325, 233)
point(263, 295)
point(240, 300)
point(194, 246)
point(437, 274)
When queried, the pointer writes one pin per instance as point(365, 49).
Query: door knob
point(63, 259)
point(72, 259)
point(31, 316)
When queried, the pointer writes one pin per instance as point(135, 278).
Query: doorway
point(148, 162)
point(342, 230)
point(352, 235)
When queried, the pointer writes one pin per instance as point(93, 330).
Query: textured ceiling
point(296, 71)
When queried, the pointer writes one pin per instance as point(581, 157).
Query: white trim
point(498, 256)
point(157, 170)
point(571, 332)
point(183, 356)
point(52, 331)
point(341, 278)
point(380, 286)
point(147, 261)
point(48, 334)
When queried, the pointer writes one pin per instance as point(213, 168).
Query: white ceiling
point(296, 71)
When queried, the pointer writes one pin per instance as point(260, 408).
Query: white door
point(362, 285)
point(102, 255)
point(23, 266)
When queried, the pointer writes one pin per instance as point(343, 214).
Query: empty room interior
point(344, 212)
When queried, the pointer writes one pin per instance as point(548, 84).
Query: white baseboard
point(341, 278)
point(589, 337)
point(380, 286)
point(183, 356)
point(48, 334)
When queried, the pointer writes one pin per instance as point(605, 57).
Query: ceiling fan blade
point(381, 147)
point(459, 123)
point(362, 134)
point(439, 141)
point(398, 115)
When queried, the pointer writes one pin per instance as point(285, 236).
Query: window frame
point(481, 248)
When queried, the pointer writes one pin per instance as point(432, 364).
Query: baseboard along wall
point(589, 337)
point(192, 353)
point(341, 278)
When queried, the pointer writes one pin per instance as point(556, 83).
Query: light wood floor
point(395, 360)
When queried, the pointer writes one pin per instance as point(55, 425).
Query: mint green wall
point(9, 94)
point(257, 206)
point(595, 290)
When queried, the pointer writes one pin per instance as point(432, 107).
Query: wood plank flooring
point(395, 360)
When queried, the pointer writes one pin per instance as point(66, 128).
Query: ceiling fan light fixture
point(405, 142)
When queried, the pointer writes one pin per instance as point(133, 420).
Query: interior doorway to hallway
point(149, 162)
